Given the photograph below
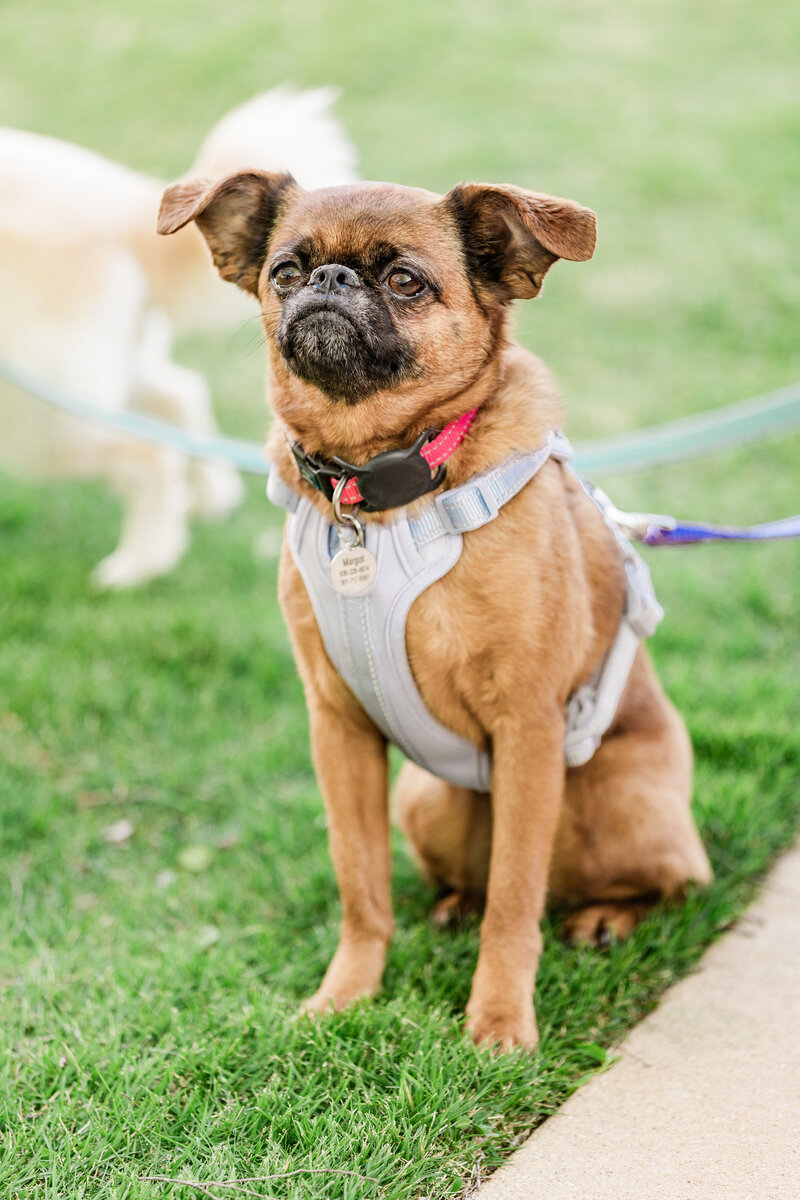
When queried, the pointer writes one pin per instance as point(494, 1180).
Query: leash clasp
point(633, 524)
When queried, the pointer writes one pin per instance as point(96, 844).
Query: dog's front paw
point(354, 974)
point(501, 1029)
point(321, 1002)
point(327, 1001)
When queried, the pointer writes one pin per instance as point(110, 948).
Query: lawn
point(149, 985)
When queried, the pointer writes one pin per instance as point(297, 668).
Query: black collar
point(388, 480)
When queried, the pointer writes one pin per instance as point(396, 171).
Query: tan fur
point(497, 645)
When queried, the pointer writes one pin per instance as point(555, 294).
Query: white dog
point(91, 298)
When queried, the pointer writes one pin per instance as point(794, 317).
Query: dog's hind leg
point(180, 395)
point(450, 830)
point(627, 837)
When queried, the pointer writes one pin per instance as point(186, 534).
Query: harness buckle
point(477, 499)
point(311, 469)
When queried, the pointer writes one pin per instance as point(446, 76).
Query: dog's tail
point(282, 130)
point(279, 130)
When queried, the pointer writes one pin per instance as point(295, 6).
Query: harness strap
point(592, 707)
point(281, 493)
point(464, 508)
point(475, 503)
point(432, 539)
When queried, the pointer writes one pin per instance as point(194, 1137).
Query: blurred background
point(160, 818)
point(678, 125)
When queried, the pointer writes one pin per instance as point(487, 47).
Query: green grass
point(149, 987)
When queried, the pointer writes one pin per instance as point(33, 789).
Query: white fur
point(303, 135)
point(90, 298)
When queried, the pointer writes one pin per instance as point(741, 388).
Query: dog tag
point(353, 570)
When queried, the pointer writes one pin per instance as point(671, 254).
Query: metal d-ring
point(348, 518)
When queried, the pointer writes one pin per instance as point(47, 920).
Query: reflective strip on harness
point(592, 708)
point(365, 635)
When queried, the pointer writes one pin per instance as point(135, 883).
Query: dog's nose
point(333, 277)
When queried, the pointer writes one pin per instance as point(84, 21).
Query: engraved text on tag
point(353, 569)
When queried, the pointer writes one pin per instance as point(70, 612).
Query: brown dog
point(386, 313)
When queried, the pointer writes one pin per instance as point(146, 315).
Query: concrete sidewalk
point(704, 1103)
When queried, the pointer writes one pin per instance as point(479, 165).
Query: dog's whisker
point(244, 330)
point(250, 350)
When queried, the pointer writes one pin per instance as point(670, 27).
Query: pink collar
point(434, 452)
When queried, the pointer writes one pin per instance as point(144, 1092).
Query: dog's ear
point(512, 237)
point(235, 214)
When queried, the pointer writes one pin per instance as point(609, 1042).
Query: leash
point(656, 529)
point(671, 441)
point(247, 456)
point(687, 533)
point(691, 437)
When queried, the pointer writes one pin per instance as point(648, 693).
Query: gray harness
point(365, 635)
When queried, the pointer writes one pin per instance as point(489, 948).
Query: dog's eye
point(286, 275)
point(405, 284)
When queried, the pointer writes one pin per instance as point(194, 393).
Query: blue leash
point(669, 442)
point(686, 533)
